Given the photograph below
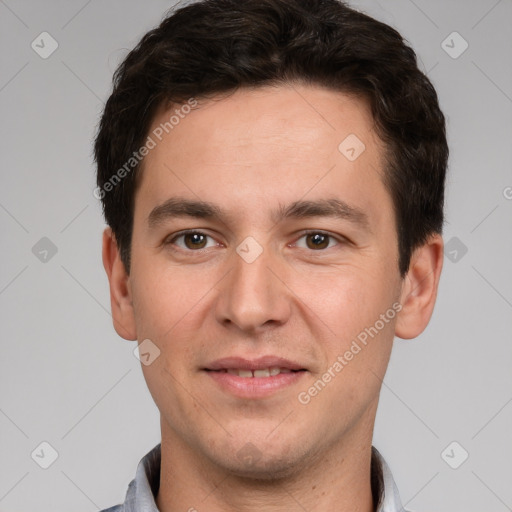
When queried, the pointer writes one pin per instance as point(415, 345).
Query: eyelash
point(170, 242)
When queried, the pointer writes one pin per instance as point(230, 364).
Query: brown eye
point(191, 240)
point(194, 240)
point(317, 240)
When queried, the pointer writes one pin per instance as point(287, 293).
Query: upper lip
point(260, 363)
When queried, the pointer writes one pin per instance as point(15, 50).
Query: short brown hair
point(216, 46)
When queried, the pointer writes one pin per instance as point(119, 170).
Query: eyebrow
point(176, 207)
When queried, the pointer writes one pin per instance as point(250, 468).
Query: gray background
point(66, 377)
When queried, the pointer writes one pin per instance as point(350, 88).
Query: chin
point(268, 470)
point(267, 464)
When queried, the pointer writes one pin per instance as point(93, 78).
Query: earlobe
point(419, 289)
point(120, 294)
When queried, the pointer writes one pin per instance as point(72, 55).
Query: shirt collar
point(143, 489)
point(383, 485)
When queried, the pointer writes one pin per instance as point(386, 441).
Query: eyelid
point(339, 239)
point(172, 238)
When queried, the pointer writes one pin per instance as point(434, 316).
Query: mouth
point(264, 363)
point(257, 378)
point(264, 372)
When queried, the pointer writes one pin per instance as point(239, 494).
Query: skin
point(249, 152)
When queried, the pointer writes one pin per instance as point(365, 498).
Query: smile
point(265, 372)
point(255, 384)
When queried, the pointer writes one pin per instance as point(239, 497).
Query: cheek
point(165, 297)
point(167, 302)
point(356, 314)
point(349, 300)
point(358, 317)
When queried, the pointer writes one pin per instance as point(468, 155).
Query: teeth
point(266, 372)
point(262, 373)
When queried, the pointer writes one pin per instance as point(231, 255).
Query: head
point(250, 123)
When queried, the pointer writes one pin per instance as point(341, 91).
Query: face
point(292, 264)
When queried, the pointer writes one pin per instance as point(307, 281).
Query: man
point(272, 174)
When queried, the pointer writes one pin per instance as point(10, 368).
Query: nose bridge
point(252, 295)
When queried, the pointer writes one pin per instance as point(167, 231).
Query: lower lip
point(254, 387)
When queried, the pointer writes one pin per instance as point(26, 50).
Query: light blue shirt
point(142, 490)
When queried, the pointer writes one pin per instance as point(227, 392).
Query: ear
point(120, 294)
point(419, 288)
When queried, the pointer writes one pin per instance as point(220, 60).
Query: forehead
point(302, 116)
point(265, 146)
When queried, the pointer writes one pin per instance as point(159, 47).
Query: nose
point(254, 296)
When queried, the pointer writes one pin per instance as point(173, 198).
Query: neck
point(337, 479)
